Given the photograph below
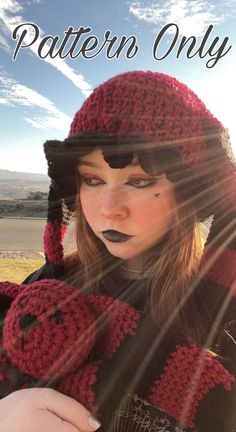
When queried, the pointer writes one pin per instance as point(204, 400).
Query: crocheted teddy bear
point(53, 335)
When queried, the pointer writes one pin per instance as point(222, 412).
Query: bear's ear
point(8, 292)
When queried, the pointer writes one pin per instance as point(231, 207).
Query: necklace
point(135, 270)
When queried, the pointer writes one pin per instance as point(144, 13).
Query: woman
point(145, 162)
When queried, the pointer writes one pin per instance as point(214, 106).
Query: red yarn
point(49, 329)
point(53, 237)
point(9, 289)
point(159, 108)
point(223, 270)
point(79, 385)
point(154, 105)
point(188, 376)
point(121, 319)
point(52, 333)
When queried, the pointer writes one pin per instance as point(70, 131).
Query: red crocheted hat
point(150, 104)
point(147, 110)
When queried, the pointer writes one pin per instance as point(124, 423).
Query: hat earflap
point(55, 229)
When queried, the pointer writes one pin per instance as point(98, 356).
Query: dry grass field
point(16, 270)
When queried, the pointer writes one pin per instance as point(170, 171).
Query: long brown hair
point(171, 284)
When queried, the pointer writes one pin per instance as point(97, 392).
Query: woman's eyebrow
point(87, 163)
point(94, 165)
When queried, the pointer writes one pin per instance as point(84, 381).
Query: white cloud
point(10, 21)
point(4, 43)
point(10, 5)
point(41, 112)
point(4, 32)
point(192, 16)
point(58, 122)
point(4, 102)
point(32, 2)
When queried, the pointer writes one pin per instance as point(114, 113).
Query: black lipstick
point(115, 236)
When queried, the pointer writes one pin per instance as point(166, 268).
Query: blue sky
point(38, 97)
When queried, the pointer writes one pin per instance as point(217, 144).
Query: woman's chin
point(124, 253)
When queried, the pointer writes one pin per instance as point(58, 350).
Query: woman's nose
point(114, 205)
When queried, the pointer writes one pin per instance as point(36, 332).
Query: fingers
point(69, 410)
point(48, 419)
point(46, 410)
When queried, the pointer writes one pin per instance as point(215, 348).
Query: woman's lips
point(115, 236)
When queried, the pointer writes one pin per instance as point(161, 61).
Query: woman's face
point(128, 209)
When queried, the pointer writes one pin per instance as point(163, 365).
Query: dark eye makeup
point(137, 182)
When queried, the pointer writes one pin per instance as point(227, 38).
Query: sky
point(40, 94)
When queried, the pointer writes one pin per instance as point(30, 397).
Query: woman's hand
point(44, 410)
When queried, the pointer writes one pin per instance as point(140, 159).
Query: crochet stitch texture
point(151, 104)
point(163, 111)
point(51, 330)
point(183, 386)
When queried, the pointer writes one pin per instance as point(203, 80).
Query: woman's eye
point(136, 182)
point(141, 183)
point(91, 181)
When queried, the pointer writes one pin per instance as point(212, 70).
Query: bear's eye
point(27, 322)
point(57, 315)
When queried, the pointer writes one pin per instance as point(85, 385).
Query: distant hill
point(17, 185)
point(15, 175)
